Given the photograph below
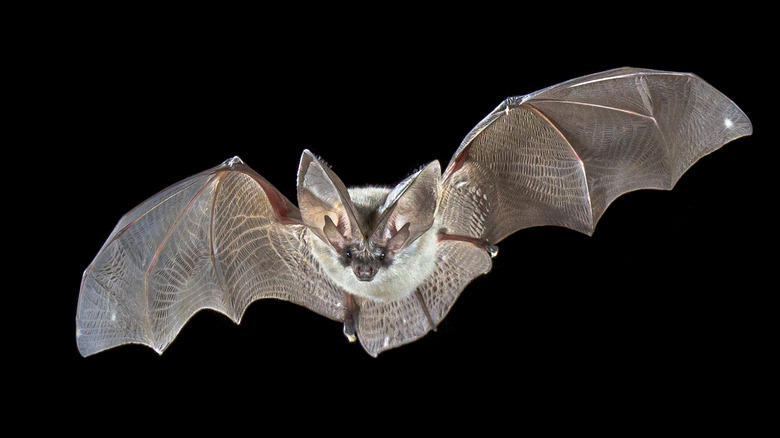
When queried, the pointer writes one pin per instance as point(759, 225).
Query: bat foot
point(489, 248)
point(351, 318)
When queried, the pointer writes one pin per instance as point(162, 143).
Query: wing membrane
point(561, 155)
point(218, 240)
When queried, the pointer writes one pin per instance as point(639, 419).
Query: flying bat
point(389, 262)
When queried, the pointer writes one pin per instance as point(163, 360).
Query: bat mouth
point(364, 273)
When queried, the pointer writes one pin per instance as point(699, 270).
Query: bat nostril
point(365, 273)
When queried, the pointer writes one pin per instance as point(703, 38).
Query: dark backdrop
point(660, 309)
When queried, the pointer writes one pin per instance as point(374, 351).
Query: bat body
point(389, 262)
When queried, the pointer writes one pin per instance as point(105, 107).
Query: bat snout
point(364, 272)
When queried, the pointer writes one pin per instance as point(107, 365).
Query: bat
point(390, 262)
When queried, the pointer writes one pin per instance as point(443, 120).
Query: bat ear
point(321, 194)
point(410, 208)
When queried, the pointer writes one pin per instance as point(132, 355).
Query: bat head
point(368, 237)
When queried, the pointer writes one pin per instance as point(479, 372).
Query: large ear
point(321, 194)
point(410, 208)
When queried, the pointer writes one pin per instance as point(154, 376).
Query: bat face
point(365, 255)
point(364, 260)
point(362, 256)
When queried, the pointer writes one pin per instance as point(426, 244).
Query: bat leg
point(491, 249)
point(351, 317)
point(425, 309)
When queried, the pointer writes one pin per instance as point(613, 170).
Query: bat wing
point(561, 155)
point(218, 240)
point(386, 325)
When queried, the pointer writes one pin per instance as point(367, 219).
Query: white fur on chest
point(409, 268)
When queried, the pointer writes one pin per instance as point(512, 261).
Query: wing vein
point(160, 248)
point(611, 108)
point(579, 160)
point(127, 227)
point(628, 75)
point(597, 106)
point(214, 257)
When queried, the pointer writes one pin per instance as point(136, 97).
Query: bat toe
point(492, 250)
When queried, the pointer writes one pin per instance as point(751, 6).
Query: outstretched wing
point(561, 155)
point(219, 240)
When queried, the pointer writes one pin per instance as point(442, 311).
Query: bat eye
point(348, 254)
point(382, 256)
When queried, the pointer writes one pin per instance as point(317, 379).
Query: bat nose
point(364, 273)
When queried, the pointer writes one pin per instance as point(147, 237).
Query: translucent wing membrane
point(218, 240)
point(561, 155)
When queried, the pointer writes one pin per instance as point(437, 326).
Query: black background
point(660, 314)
